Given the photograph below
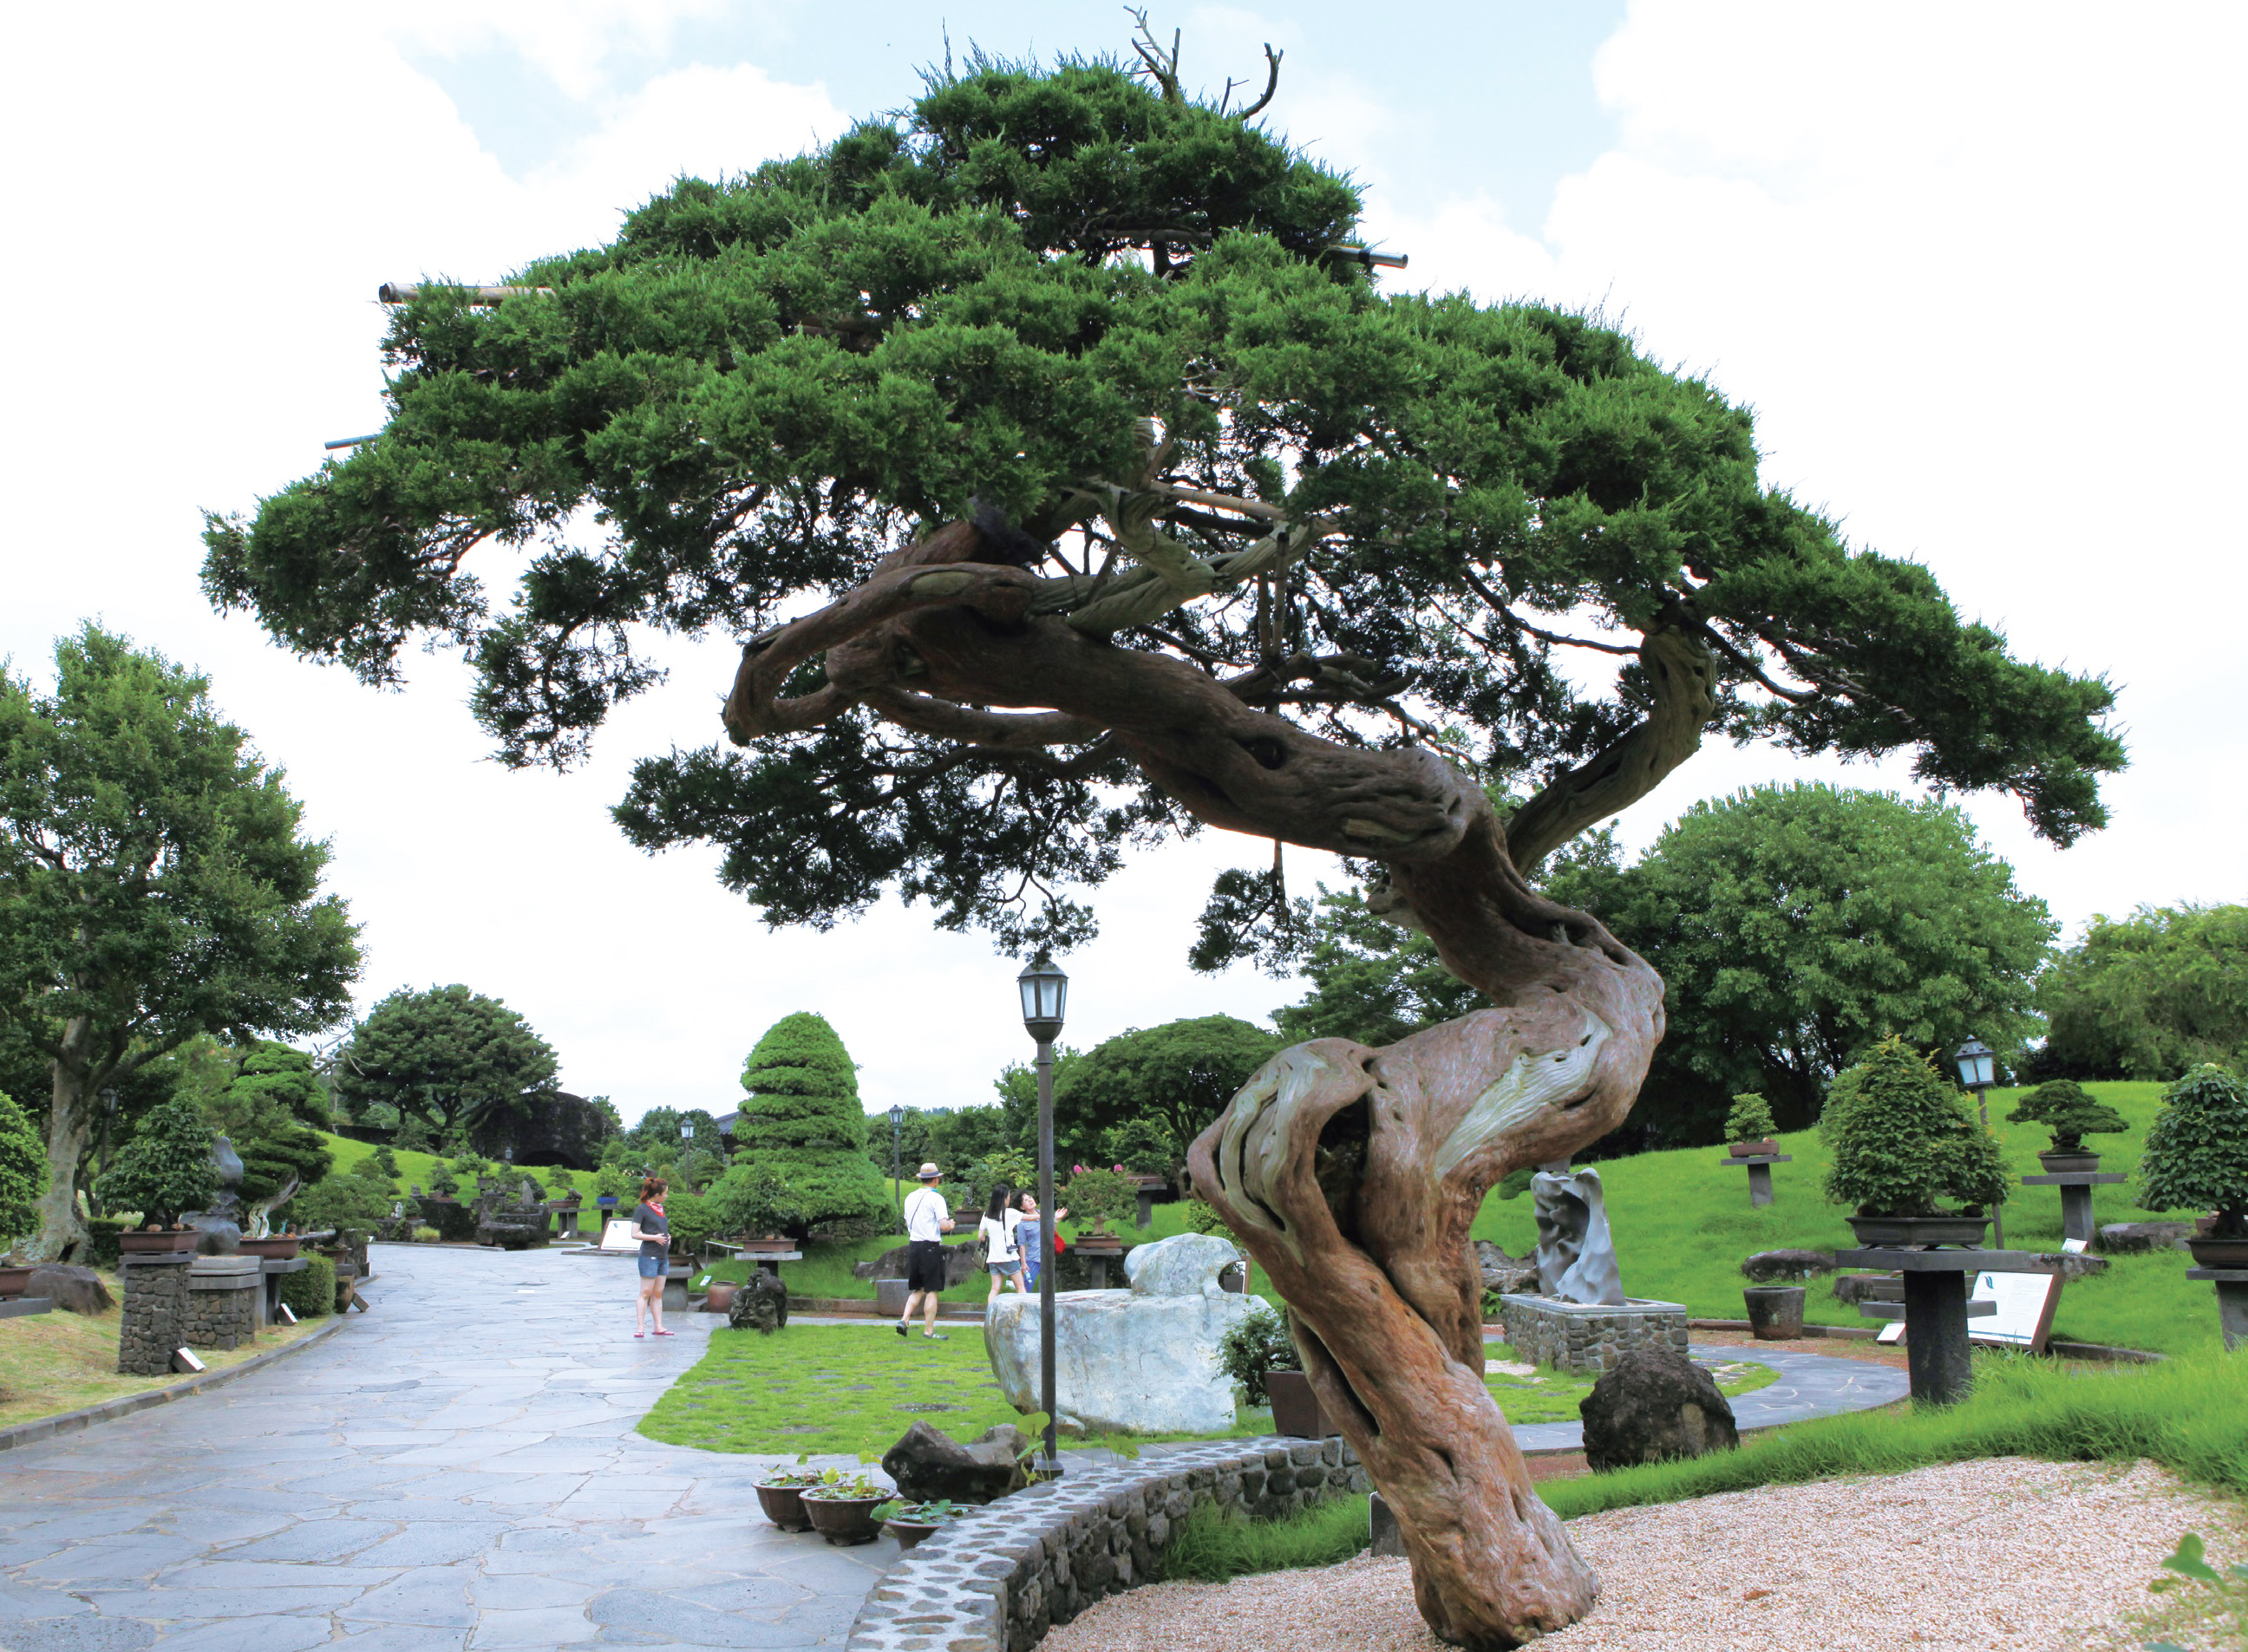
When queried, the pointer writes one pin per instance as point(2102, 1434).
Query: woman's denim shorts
point(652, 1267)
point(1004, 1269)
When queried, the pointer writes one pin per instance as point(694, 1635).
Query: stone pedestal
point(1587, 1338)
point(1936, 1307)
point(222, 1296)
point(151, 1325)
point(1759, 1166)
point(2076, 1197)
point(1097, 1256)
point(269, 1297)
point(2231, 1301)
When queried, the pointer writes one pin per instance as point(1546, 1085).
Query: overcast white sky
point(1976, 266)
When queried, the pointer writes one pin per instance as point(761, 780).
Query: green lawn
point(1683, 1223)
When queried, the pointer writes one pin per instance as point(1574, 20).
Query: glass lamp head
point(1977, 1063)
point(1044, 991)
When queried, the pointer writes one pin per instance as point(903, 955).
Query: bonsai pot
point(2058, 1162)
point(843, 1520)
point(2218, 1253)
point(1099, 1241)
point(784, 1506)
point(606, 1201)
point(1775, 1311)
point(1919, 1229)
point(718, 1296)
point(1295, 1408)
point(163, 1242)
point(1753, 1149)
point(277, 1247)
point(12, 1281)
point(768, 1247)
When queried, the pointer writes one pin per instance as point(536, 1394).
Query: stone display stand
point(222, 1295)
point(1146, 1190)
point(1935, 1310)
point(769, 1261)
point(154, 1317)
point(1759, 1166)
point(269, 1298)
point(997, 1577)
point(1097, 1256)
point(2076, 1197)
point(1585, 1338)
point(2231, 1301)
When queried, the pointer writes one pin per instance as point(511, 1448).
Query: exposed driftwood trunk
point(1351, 1174)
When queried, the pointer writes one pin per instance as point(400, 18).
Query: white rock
point(1142, 1360)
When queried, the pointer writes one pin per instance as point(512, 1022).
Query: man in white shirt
point(928, 1221)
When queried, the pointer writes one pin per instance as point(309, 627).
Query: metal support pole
point(1047, 1227)
point(1997, 1214)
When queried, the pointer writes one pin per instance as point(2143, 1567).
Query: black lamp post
point(1977, 1068)
point(897, 1121)
point(1046, 994)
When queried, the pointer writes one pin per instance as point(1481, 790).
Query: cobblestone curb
point(125, 1404)
point(996, 1579)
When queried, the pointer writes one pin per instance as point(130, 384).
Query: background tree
point(455, 1059)
point(802, 1122)
point(155, 885)
point(22, 1170)
point(165, 1168)
point(1133, 505)
point(1018, 1084)
point(2148, 995)
point(1178, 1076)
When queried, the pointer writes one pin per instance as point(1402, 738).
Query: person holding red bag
point(1030, 1236)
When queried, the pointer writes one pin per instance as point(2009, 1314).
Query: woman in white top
point(997, 1230)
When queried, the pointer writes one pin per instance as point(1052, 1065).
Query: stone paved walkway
point(457, 1469)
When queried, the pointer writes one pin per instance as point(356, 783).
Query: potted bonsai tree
point(2196, 1159)
point(1101, 1196)
point(2072, 1113)
point(1903, 1140)
point(165, 1169)
point(1260, 1356)
point(1749, 1127)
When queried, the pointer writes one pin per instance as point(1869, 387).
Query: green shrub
point(425, 1235)
point(694, 1220)
point(2070, 1111)
point(2197, 1152)
point(802, 1122)
point(311, 1294)
point(441, 1180)
point(1009, 1167)
point(101, 1249)
point(1258, 1344)
point(1750, 1118)
point(23, 1171)
point(1213, 1544)
point(349, 1204)
point(752, 1201)
point(1902, 1139)
point(167, 1167)
point(1200, 1215)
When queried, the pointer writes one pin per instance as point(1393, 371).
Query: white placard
point(2024, 1305)
point(1892, 1333)
point(616, 1234)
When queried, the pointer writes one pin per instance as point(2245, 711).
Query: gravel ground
point(1969, 1557)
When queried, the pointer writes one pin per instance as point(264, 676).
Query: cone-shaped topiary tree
point(167, 1167)
point(1902, 1139)
point(803, 1123)
point(2196, 1156)
point(2070, 1111)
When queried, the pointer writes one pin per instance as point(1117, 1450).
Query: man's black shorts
point(925, 1265)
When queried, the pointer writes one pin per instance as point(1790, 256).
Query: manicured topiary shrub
point(1902, 1139)
point(802, 1122)
point(311, 1293)
point(166, 1167)
point(23, 1171)
point(1750, 1118)
point(2070, 1111)
point(2197, 1155)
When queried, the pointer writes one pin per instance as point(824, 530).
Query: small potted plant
point(780, 1495)
point(165, 1169)
point(2072, 1113)
point(910, 1522)
point(2196, 1159)
point(844, 1508)
point(1260, 1356)
point(1749, 1127)
point(1903, 1141)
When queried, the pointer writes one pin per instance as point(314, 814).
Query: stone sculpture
point(1576, 1257)
point(762, 1305)
point(515, 1226)
point(1144, 1360)
point(221, 1226)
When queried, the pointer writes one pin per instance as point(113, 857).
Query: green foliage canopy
point(2070, 1111)
point(2197, 1151)
point(2150, 995)
point(1902, 1139)
point(803, 1123)
point(1750, 1118)
point(1178, 1076)
point(165, 1168)
point(963, 313)
point(455, 1058)
point(22, 1170)
point(263, 1111)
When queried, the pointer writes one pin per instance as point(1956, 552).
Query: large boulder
point(2128, 1238)
point(1651, 1404)
point(930, 1466)
point(961, 1263)
point(1505, 1274)
point(1141, 1360)
point(1793, 1267)
point(73, 1289)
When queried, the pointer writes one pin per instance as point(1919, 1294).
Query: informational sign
point(2024, 1301)
point(616, 1234)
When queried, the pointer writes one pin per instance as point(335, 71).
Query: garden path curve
point(458, 1468)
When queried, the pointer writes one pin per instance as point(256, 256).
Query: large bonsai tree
point(1902, 1139)
point(458, 1060)
point(802, 1122)
point(165, 1168)
point(2068, 1110)
point(1070, 485)
point(2197, 1152)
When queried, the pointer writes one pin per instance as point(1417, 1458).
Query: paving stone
point(314, 1541)
point(527, 1590)
point(539, 1626)
point(436, 1595)
point(80, 1635)
point(438, 1544)
point(248, 1634)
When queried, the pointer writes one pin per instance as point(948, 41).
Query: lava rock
point(1503, 1273)
point(2069, 1264)
point(762, 1305)
point(1767, 1266)
point(1651, 1404)
point(74, 1290)
point(2128, 1238)
point(961, 1263)
point(930, 1465)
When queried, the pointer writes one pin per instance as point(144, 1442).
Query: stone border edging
point(2058, 1345)
point(124, 1404)
point(998, 1578)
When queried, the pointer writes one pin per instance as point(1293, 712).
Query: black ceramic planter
point(784, 1506)
point(1920, 1230)
point(1296, 1408)
point(844, 1520)
point(2060, 1163)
